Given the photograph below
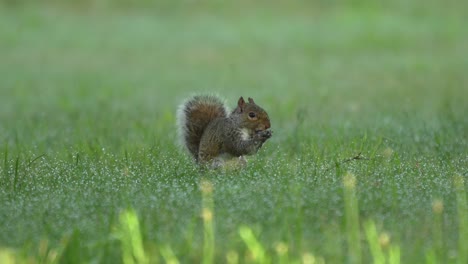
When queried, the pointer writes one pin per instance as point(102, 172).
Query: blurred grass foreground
point(368, 101)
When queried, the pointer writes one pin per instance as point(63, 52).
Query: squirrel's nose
point(268, 125)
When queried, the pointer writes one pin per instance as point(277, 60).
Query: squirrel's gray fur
point(209, 131)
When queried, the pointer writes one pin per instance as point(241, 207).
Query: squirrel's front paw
point(264, 134)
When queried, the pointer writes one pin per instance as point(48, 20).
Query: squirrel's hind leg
point(229, 162)
point(242, 161)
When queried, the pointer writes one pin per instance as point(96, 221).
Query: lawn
point(368, 104)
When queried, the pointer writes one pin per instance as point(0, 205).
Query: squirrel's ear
point(241, 104)
point(251, 101)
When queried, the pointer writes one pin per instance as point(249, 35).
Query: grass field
point(90, 168)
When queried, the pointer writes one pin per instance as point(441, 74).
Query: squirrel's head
point(253, 116)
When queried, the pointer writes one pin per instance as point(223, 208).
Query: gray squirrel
point(213, 135)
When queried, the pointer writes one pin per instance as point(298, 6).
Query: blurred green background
point(78, 64)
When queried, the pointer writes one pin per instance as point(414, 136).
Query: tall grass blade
point(462, 208)
point(232, 257)
point(437, 210)
point(16, 175)
point(373, 241)
point(255, 248)
point(394, 255)
point(49, 255)
point(5, 161)
point(208, 226)
point(379, 244)
point(168, 255)
point(8, 256)
point(130, 237)
point(352, 218)
point(431, 257)
point(73, 250)
point(282, 251)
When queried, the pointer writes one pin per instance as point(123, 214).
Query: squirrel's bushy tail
point(194, 115)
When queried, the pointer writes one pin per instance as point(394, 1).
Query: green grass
point(88, 94)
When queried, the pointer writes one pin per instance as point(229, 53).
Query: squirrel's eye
point(252, 115)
